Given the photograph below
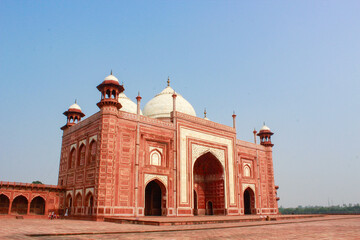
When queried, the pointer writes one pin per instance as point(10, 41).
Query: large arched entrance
point(19, 205)
point(37, 206)
point(208, 176)
point(249, 201)
point(4, 204)
point(155, 199)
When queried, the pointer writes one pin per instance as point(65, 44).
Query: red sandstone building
point(163, 160)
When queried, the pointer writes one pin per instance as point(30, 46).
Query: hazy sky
point(293, 64)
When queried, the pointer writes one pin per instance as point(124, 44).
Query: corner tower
point(73, 115)
point(265, 136)
point(110, 90)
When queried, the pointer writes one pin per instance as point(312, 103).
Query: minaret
point(265, 136)
point(73, 115)
point(110, 90)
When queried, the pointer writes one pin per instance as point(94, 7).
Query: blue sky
point(293, 64)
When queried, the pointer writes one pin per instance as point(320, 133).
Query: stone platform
point(325, 227)
point(195, 220)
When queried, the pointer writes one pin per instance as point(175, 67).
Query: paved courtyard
point(328, 227)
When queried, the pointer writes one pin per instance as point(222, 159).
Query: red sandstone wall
point(262, 175)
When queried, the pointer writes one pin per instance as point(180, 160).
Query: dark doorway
point(154, 199)
point(68, 204)
point(249, 201)
point(19, 205)
point(195, 204)
point(208, 175)
point(89, 203)
point(210, 210)
point(37, 206)
point(4, 204)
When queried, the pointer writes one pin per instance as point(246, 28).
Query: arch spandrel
point(199, 150)
point(149, 177)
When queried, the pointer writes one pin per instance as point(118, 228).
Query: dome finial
point(75, 101)
point(111, 72)
point(264, 123)
point(204, 112)
point(168, 81)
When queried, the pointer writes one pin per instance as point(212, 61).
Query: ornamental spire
point(168, 82)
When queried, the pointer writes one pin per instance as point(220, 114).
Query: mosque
point(162, 160)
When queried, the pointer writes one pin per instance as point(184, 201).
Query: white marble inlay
point(184, 134)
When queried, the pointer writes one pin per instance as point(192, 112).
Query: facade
point(32, 200)
point(162, 161)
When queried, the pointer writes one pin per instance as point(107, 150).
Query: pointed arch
point(4, 204)
point(19, 205)
point(155, 198)
point(89, 203)
point(155, 157)
point(92, 152)
point(208, 181)
point(37, 206)
point(78, 200)
point(81, 155)
point(72, 158)
point(247, 170)
point(249, 201)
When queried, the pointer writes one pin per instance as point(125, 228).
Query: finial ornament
point(168, 81)
point(264, 123)
point(138, 93)
point(111, 72)
point(204, 112)
point(75, 100)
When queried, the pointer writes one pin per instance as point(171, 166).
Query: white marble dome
point(75, 106)
point(162, 105)
point(111, 78)
point(265, 128)
point(127, 104)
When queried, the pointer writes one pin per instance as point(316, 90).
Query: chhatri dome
point(265, 128)
point(75, 106)
point(111, 77)
point(162, 104)
point(127, 104)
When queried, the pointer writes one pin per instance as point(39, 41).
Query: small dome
point(265, 128)
point(162, 105)
point(127, 104)
point(75, 106)
point(111, 78)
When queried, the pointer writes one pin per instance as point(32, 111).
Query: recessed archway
point(155, 199)
point(4, 204)
point(89, 203)
point(19, 205)
point(208, 175)
point(249, 201)
point(68, 204)
point(37, 206)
